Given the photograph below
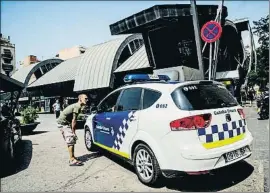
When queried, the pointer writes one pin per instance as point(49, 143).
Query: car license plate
point(233, 155)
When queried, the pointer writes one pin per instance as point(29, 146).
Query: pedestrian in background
point(65, 104)
point(57, 108)
point(251, 95)
point(67, 124)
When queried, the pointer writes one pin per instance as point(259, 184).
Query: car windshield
point(203, 96)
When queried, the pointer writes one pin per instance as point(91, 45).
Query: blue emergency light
point(145, 77)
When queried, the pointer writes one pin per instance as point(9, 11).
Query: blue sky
point(42, 28)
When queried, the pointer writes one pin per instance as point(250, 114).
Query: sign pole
point(210, 33)
point(197, 36)
point(218, 19)
point(210, 62)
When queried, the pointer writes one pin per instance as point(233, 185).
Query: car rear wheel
point(8, 148)
point(7, 162)
point(146, 165)
point(88, 140)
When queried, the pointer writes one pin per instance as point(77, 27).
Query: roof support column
point(197, 35)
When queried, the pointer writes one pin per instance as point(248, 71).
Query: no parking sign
point(211, 31)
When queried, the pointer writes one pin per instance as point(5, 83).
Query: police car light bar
point(145, 77)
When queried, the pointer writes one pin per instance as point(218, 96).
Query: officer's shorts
point(68, 135)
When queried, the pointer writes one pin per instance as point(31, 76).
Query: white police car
point(164, 128)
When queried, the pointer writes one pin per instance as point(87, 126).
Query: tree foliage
point(261, 76)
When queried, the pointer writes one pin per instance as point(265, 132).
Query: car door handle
point(108, 118)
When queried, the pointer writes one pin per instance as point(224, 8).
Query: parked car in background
point(10, 130)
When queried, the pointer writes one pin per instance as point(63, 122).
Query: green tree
point(261, 76)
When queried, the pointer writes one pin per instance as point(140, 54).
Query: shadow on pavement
point(23, 158)
point(221, 179)
point(33, 133)
point(118, 160)
point(88, 157)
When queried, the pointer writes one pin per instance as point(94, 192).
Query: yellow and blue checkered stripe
point(220, 135)
point(120, 135)
point(122, 131)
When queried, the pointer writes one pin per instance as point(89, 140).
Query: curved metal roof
point(24, 73)
point(65, 71)
point(138, 60)
point(99, 62)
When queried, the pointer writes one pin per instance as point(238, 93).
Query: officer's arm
point(73, 123)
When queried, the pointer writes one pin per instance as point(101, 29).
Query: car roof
point(155, 86)
point(163, 86)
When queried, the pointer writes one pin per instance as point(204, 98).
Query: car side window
point(108, 105)
point(150, 97)
point(130, 99)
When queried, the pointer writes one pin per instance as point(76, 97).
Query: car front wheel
point(146, 165)
point(88, 140)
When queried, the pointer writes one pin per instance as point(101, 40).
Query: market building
point(91, 72)
point(157, 40)
point(30, 72)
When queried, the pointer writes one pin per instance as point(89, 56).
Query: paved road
point(260, 131)
point(43, 166)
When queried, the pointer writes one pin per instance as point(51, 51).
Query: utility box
point(180, 73)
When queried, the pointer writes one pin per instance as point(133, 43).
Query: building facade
point(28, 60)
point(7, 54)
point(72, 52)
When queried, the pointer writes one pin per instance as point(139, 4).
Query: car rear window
point(203, 96)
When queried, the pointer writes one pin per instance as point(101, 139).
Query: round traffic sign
point(211, 31)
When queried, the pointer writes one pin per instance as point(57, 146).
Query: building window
point(132, 47)
point(141, 42)
point(135, 45)
point(49, 67)
point(124, 56)
point(44, 69)
point(7, 56)
point(184, 47)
